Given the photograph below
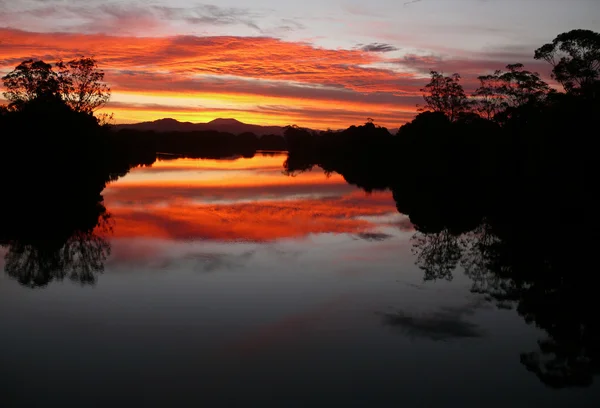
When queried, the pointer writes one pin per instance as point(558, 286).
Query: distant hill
point(221, 125)
point(232, 126)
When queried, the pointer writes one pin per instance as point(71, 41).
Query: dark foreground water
point(228, 283)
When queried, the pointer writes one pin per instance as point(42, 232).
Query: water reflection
point(448, 323)
point(194, 209)
point(53, 222)
point(80, 258)
point(546, 283)
point(55, 244)
point(521, 246)
point(244, 200)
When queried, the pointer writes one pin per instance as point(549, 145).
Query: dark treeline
point(362, 154)
point(503, 184)
point(196, 144)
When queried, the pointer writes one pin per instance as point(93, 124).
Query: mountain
point(221, 125)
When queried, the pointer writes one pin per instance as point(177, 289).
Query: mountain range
point(233, 126)
point(221, 125)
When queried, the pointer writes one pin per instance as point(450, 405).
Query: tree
point(513, 88)
point(31, 80)
point(575, 58)
point(489, 101)
point(82, 85)
point(522, 87)
point(78, 83)
point(446, 95)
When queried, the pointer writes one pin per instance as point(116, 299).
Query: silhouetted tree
point(575, 58)
point(445, 94)
point(504, 90)
point(521, 86)
point(488, 101)
point(82, 84)
point(78, 83)
point(31, 80)
point(298, 139)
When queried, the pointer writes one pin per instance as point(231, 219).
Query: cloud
point(261, 58)
point(96, 17)
point(210, 14)
point(378, 47)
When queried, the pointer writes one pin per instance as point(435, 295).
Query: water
point(229, 283)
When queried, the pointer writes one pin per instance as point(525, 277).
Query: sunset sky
point(317, 63)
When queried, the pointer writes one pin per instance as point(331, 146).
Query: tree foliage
point(512, 88)
point(30, 80)
point(445, 94)
point(82, 84)
point(575, 58)
point(78, 83)
point(489, 100)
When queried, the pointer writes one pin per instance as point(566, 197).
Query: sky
point(316, 63)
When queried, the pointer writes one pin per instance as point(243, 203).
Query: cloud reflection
point(447, 323)
point(242, 206)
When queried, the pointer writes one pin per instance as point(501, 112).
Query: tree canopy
point(445, 94)
point(82, 84)
point(30, 80)
point(503, 90)
point(575, 58)
point(78, 83)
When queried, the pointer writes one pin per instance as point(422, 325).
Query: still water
point(230, 283)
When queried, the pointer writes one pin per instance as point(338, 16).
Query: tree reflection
point(80, 258)
point(56, 161)
point(65, 239)
point(523, 230)
point(437, 254)
point(546, 282)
